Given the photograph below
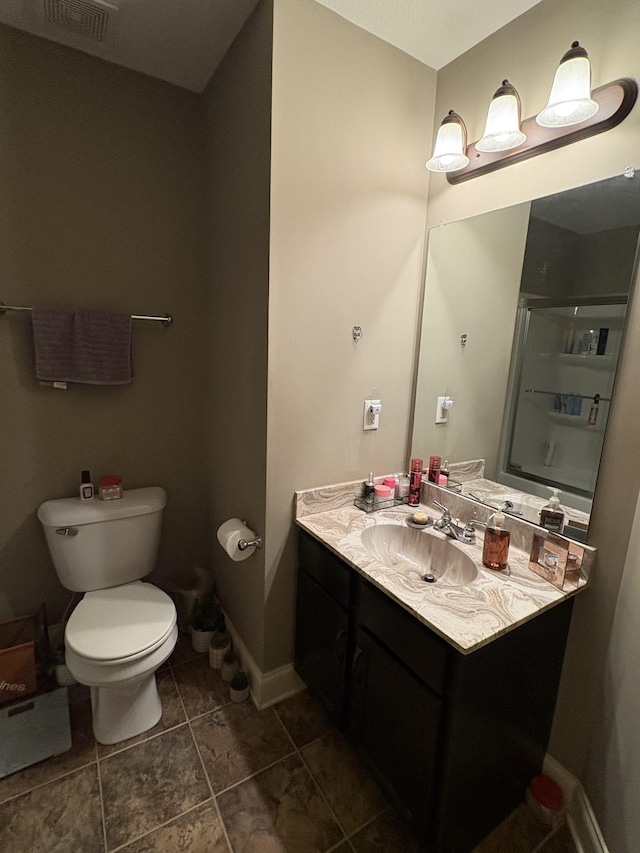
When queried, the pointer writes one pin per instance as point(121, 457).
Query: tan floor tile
point(303, 718)
point(151, 783)
point(60, 817)
point(237, 741)
point(199, 831)
point(279, 810)
point(352, 794)
point(201, 687)
point(385, 834)
point(519, 833)
point(172, 714)
point(183, 651)
point(82, 752)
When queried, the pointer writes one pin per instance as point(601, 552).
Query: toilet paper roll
point(230, 533)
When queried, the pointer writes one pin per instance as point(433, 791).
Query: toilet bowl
point(123, 629)
point(115, 641)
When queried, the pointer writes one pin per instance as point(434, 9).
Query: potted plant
point(239, 687)
point(207, 617)
point(219, 645)
point(230, 665)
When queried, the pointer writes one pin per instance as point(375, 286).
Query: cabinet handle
point(341, 643)
point(357, 666)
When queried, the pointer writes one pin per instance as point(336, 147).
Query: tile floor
point(214, 776)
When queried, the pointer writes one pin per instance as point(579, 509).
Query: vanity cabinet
point(453, 739)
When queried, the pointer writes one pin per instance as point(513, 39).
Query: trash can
point(196, 583)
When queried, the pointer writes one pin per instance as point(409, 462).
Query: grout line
point(104, 822)
point(313, 778)
point(213, 796)
point(206, 775)
point(159, 826)
point(53, 779)
point(139, 742)
point(256, 773)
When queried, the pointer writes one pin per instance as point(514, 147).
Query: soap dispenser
point(552, 514)
point(495, 550)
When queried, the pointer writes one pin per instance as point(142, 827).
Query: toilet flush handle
point(67, 531)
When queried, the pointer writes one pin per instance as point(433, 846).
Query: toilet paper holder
point(243, 544)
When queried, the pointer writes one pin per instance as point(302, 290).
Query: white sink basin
point(417, 553)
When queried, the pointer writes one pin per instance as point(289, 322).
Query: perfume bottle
point(415, 482)
point(86, 487)
point(495, 550)
point(593, 411)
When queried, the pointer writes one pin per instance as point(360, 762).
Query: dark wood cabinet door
point(394, 723)
point(321, 645)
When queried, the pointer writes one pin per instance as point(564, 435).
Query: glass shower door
point(567, 361)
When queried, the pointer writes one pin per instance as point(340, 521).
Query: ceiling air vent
point(85, 18)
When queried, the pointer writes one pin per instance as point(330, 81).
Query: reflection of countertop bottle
point(593, 411)
point(552, 514)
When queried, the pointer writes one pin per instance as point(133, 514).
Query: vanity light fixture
point(570, 101)
point(449, 151)
point(573, 113)
point(502, 130)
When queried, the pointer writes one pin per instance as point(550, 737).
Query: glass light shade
point(570, 100)
point(502, 130)
point(449, 151)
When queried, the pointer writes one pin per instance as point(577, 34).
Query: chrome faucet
point(454, 529)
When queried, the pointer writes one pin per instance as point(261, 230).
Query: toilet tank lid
point(67, 512)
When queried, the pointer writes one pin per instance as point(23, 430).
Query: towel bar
point(165, 319)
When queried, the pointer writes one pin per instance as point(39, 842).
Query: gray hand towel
point(92, 347)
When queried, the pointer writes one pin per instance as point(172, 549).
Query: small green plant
point(207, 615)
point(230, 656)
point(219, 639)
point(240, 681)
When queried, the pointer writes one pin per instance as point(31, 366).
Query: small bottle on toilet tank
point(86, 486)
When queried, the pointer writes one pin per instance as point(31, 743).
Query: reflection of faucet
point(445, 525)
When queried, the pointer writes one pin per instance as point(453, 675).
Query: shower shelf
point(579, 421)
point(593, 362)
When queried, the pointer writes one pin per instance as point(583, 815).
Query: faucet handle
point(446, 515)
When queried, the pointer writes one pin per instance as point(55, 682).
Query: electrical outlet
point(442, 409)
point(372, 409)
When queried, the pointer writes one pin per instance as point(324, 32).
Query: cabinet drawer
point(416, 646)
point(324, 567)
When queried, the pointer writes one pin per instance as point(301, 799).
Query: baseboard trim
point(267, 688)
point(581, 819)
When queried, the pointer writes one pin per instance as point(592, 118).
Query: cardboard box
point(17, 658)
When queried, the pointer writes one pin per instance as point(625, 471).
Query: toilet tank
point(99, 544)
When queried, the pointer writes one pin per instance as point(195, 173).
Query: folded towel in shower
point(81, 345)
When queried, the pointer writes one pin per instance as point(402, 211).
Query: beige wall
point(527, 51)
point(351, 131)
point(101, 206)
point(472, 287)
point(238, 125)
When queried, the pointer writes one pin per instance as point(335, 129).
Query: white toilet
point(123, 629)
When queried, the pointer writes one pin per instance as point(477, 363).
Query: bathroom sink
point(417, 553)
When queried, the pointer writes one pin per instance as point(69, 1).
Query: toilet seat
point(120, 624)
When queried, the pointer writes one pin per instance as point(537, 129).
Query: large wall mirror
point(523, 319)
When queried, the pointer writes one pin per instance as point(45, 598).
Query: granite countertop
point(467, 617)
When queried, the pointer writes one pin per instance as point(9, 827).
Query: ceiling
point(183, 41)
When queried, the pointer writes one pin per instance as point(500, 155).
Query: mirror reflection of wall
point(519, 283)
